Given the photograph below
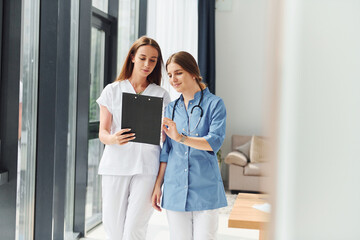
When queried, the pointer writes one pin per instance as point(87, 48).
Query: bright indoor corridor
point(159, 229)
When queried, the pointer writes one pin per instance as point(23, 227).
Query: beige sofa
point(243, 175)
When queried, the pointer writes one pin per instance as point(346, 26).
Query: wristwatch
point(183, 138)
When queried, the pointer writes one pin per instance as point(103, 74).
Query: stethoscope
point(196, 106)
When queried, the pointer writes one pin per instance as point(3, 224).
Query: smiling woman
point(182, 68)
point(193, 190)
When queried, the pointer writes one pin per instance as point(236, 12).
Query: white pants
point(197, 225)
point(127, 206)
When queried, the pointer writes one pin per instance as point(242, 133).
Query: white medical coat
point(132, 158)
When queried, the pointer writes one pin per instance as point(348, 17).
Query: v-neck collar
point(132, 90)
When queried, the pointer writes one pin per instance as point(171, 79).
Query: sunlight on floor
point(159, 229)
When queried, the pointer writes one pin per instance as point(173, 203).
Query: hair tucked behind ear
point(127, 69)
point(188, 63)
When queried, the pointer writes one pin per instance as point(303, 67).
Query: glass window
point(70, 171)
point(97, 71)
point(93, 196)
point(127, 28)
point(93, 210)
point(27, 120)
point(101, 5)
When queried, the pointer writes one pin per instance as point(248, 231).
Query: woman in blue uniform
point(195, 128)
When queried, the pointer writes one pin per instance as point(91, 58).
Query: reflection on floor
point(159, 229)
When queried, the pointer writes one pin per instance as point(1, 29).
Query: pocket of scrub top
point(216, 170)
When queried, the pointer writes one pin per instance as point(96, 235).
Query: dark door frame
point(52, 127)
point(90, 16)
point(9, 113)
point(107, 24)
point(142, 17)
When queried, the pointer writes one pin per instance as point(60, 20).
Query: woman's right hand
point(155, 199)
point(121, 137)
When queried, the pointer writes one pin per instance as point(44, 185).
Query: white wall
point(240, 67)
point(318, 192)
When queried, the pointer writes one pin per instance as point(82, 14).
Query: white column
point(318, 178)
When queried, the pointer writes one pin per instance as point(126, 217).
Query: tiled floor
point(159, 229)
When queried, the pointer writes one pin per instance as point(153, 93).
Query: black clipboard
point(142, 114)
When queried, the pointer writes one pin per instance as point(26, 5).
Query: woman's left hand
point(169, 127)
point(155, 198)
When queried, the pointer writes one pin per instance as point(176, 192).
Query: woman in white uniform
point(128, 168)
point(195, 128)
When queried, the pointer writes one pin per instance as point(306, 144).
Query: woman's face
point(180, 79)
point(145, 60)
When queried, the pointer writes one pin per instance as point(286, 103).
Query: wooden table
point(243, 215)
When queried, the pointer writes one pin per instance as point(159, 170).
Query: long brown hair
point(126, 71)
point(188, 63)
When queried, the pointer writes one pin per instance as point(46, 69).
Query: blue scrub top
point(192, 180)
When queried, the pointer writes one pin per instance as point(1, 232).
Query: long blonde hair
point(127, 69)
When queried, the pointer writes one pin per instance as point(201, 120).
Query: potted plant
point(219, 158)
